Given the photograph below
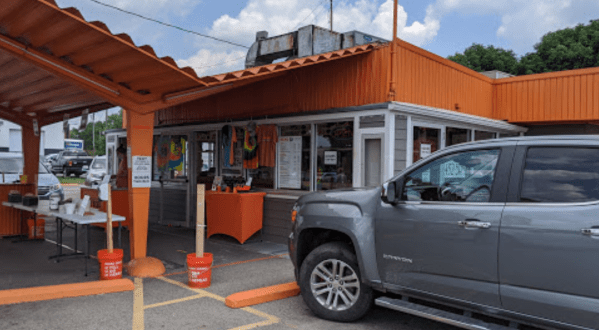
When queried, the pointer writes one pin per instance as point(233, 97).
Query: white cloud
point(207, 62)
point(523, 23)
point(279, 17)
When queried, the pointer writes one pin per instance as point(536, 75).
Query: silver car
point(11, 166)
point(97, 171)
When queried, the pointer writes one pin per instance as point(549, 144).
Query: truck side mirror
point(388, 194)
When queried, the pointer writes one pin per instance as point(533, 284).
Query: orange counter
point(238, 215)
point(9, 217)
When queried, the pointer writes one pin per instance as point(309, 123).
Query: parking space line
point(138, 304)
point(234, 263)
point(174, 301)
point(270, 319)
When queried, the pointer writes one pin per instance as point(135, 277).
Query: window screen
point(560, 175)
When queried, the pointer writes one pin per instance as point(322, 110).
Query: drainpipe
point(391, 95)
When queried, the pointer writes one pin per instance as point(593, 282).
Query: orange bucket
point(33, 231)
point(111, 264)
point(199, 270)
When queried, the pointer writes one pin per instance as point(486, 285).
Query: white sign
point(425, 150)
point(141, 172)
point(330, 157)
point(452, 170)
point(289, 156)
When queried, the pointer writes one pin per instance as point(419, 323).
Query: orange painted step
point(16, 296)
point(262, 295)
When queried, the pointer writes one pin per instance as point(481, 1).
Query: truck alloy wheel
point(330, 284)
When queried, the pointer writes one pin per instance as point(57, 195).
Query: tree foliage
point(113, 122)
point(567, 49)
point(480, 58)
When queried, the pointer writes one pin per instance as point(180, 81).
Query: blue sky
point(443, 27)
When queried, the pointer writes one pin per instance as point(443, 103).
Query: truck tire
point(342, 296)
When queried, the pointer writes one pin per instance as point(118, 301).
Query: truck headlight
point(56, 187)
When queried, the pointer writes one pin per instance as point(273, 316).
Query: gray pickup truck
point(498, 234)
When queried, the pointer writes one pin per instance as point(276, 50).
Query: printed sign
point(425, 150)
point(70, 144)
point(330, 157)
point(290, 161)
point(141, 172)
point(452, 170)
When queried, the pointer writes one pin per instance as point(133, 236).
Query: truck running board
point(456, 320)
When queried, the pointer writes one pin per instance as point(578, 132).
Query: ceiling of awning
point(54, 63)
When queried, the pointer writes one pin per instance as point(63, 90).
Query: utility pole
point(392, 64)
point(94, 132)
point(331, 15)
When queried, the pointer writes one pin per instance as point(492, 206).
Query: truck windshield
point(75, 153)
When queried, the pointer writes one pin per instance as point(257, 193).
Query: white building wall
point(51, 139)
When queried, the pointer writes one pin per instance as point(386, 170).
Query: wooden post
point(200, 221)
point(109, 220)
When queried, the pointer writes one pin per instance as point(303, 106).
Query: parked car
point(48, 160)
point(11, 166)
point(504, 231)
point(97, 171)
point(71, 162)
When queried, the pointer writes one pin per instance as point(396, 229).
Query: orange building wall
point(351, 81)
point(428, 79)
point(567, 96)
point(422, 78)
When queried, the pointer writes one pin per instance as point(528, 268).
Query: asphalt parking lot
point(167, 302)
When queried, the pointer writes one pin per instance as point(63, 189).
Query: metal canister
point(54, 199)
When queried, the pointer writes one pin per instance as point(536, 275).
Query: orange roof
point(53, 62)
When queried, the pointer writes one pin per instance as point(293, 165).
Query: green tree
point(480, 58)
point(113, 122)
point(567, 49)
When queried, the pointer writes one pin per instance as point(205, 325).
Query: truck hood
point(351, 195)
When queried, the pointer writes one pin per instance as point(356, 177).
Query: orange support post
point(140, 130)
point(31, 154)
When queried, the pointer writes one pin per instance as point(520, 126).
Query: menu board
point(141, 172)
point(290, 161)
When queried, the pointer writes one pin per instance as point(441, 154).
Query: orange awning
point(53, 62)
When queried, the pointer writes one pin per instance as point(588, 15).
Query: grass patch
point(71, 180)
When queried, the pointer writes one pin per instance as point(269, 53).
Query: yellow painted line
point(138, 304)
point(174, 301)
point(270, 319)
point(234, 263)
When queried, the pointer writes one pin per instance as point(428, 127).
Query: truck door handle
point(473, 223)
point(590, 231)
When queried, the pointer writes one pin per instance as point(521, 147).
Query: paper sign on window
point(452, 170)
point(425, 150)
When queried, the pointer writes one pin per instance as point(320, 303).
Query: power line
point(317, 7)
point(169, 25)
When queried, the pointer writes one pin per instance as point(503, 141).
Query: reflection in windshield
point(99, 164)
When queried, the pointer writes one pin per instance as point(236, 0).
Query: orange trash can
point(36, 229)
